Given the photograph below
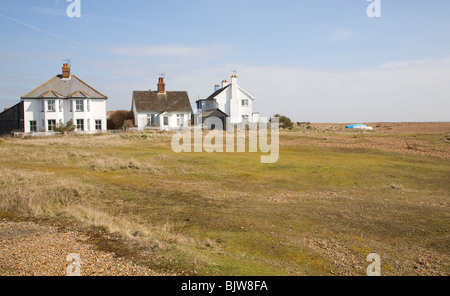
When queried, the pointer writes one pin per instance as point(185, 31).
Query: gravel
point(30, 249)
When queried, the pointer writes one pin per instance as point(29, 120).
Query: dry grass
point(329, 201)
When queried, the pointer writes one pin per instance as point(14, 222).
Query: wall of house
point(35, 111)
point(230, 102)
point(141, 120)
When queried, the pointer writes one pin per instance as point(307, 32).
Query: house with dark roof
point(231, 100)
point(161, 109)
point(64, 98)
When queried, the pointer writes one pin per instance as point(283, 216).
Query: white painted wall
point(230, 102)
point(33, 112)
point(141, 120)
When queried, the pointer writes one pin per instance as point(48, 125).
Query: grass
point(319, 210)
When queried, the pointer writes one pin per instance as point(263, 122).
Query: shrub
point(285, 122)
point(64, 128)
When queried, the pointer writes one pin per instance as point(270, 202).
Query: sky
point(311, 60)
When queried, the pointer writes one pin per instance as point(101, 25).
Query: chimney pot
point(161, 86)
point(65, 71)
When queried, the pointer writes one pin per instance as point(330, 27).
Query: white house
point(61, 99)
point(230, 99)
point(161, 109)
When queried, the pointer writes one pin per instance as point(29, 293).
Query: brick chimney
point(65, 71)
point(161, 86)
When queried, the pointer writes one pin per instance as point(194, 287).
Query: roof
point(214, 112)
point(215, 94)
point(58, 87)
point(171, 101)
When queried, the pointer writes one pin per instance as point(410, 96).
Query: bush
point(64, 128)
point(285, 122)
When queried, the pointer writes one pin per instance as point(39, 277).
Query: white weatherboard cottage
point(160, 109)
point(61, 99)
point(231, 100)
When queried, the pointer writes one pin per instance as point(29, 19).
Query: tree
point(285, 122)
point(64, 128)
point(117, 119)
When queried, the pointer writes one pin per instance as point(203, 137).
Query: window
point(149, 120)
point(42, 106)
point(244, 102)
point(166, 120)
point(98, 125)
point(88, 124)
point(33, 126)
point(245, 118)
point(80, 124)
point(88, 105)
point(51, 105)
point(51, 125)
point(71, 105)
point(60, 105)
point(79, 105)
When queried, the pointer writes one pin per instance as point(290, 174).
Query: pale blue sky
point(313, 60)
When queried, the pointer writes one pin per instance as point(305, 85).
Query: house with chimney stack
point(228, 100)
point(161, 109)
point(64, 98)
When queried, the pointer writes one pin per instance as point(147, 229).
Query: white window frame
point(80, 124)
point(79, 107)
point(51, 105)
point(33, 123)
point(98, 124)
point(51, 124)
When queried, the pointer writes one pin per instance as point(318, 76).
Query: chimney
point(161, 86)
point(65, 71)
point(224, 83)
point(5, 109)
point(234, 79)
point(216, 87)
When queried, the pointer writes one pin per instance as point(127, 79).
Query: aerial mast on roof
point(68, 61)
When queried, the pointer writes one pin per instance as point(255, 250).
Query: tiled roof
point(65, 88)
point(215, 94)
point(171, 101)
